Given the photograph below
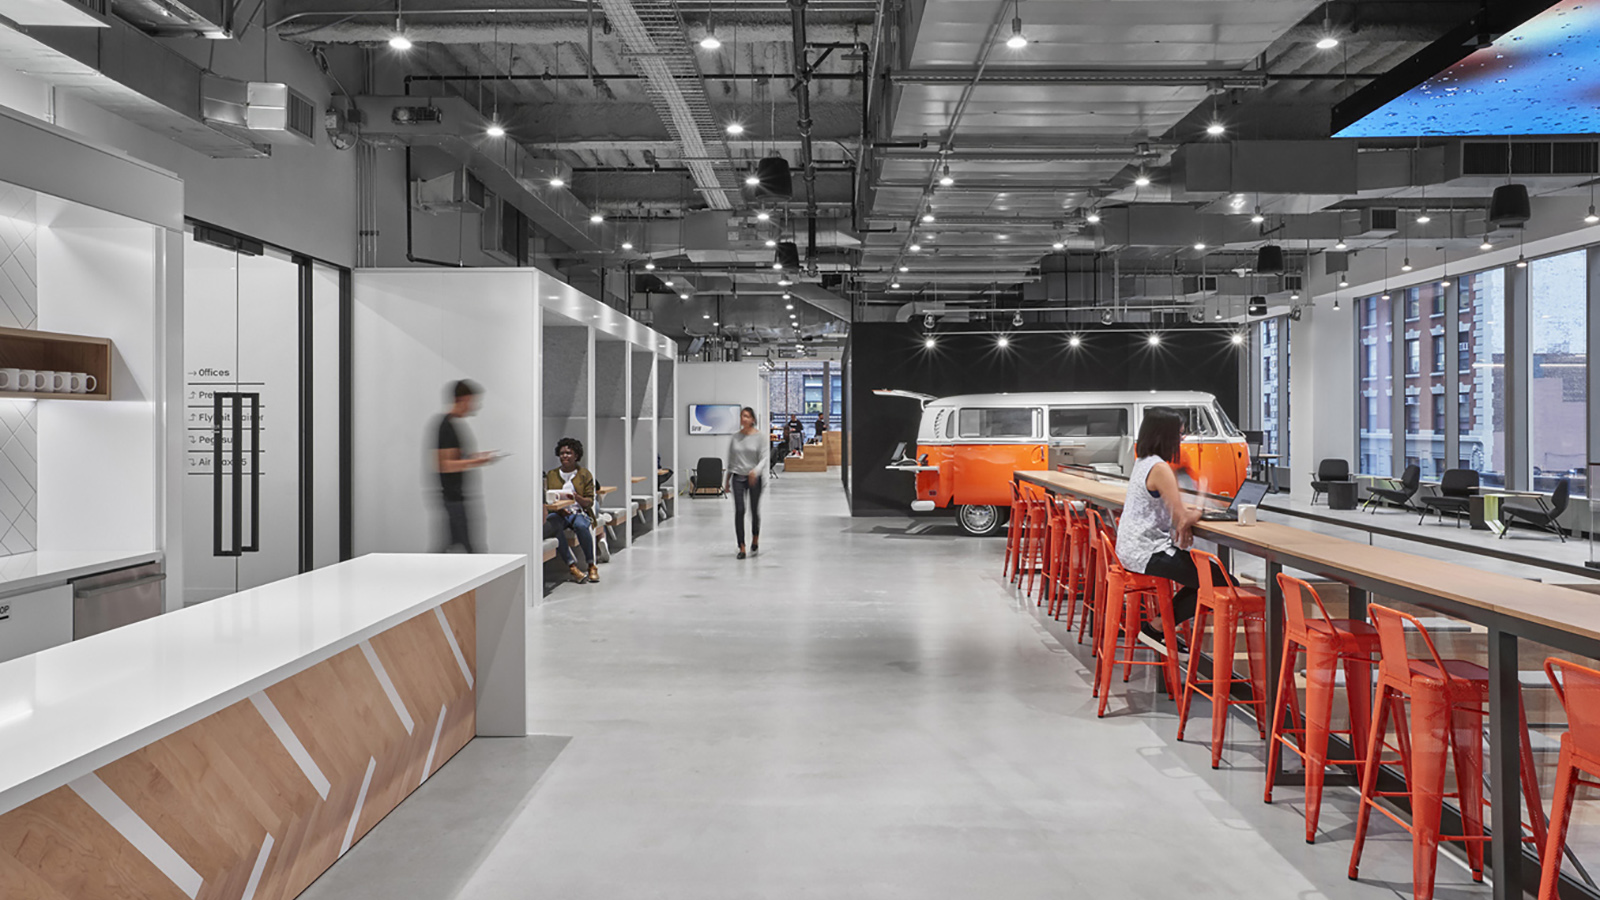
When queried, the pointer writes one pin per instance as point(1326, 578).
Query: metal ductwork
point(124, 71)
point(510, 171)
point(264, 110)
point(528, 26)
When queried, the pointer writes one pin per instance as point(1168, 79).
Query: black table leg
point(1274, 627)
point(1505, 776)
point(1358, 604)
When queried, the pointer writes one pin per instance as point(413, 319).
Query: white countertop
point(26, 571)
point(68, 710)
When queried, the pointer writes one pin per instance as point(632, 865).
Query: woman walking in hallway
point(747, 456)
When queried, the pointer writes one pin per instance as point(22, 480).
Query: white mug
point(1247, 514)
point(27, 380)
point(52, 382)
point(81, 383)
point(10, 379)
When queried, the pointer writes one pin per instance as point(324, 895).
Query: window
point(1195, 421)
point(1481, 383)
point(1413, 304)
point(1375, 435)
point(1438, 303)
point(1438, 355)
point(1558, 391)
point(1413, 356)
point(950, 427)
point(1463, 351)
point(999, 422)
point(1228, 428)
point(1413, 416)
point(1088, 422)
point(1464, 414)
point(1438, 413)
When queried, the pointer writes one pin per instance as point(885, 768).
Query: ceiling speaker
point(788, 255)
point(773, 173)
point(1258, 305)
point(1508, 208)
point(1269, 260)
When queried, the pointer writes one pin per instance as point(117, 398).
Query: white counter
point(68, 710)
point(30, 571)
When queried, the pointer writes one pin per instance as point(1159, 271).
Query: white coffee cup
point(10, 379)
point(1247, 514)
point(27, 380)
point(52, 382)
point(81, 382)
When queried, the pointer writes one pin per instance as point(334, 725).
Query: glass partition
point(1375, 344)
point(1424, 378)
point(1558, 361)
point(1481, 378)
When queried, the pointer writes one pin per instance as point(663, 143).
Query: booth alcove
point(613, 435)
point(667, 431)
point(641, 411)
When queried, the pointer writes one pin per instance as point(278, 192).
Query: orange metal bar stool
point(1056, 531)
point(1326, 642)
point(1093, 610)
point(1033, 536)
point(1229, 605)
point(1014, 527)
point(1128, 597)
point(1070, 566)
point(1448, 697)
point(1578, 689)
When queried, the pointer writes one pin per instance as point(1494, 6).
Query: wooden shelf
point(47, 351)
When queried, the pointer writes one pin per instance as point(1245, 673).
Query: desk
point(1484, 507)
point(253, 738)
point(1509, 608)
point(1268, 464)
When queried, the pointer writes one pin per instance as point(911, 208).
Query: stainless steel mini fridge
point(113, 599)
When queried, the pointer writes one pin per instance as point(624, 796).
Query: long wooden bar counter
point(1509, 608)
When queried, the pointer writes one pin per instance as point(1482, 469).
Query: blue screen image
point(713, 418)
point(1542, 77)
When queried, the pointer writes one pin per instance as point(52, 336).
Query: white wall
point(415, 332)
point(1321, 387)
point(101, 472)
point(744, 383)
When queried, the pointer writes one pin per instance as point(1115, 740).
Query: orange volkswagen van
point(968, 445)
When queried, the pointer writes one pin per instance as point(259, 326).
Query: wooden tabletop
point(605, 490)
point(636, 479)
point(1551, 606)
point(560, 505)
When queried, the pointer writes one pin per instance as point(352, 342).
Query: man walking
point(454, 459)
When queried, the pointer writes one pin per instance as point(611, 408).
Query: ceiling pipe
point(1024, 75)
point(802, 92)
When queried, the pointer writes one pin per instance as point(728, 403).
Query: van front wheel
point(980, 521)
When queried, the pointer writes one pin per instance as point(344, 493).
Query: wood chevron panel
point(227, 799)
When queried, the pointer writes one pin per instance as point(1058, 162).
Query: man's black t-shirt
point(453, 437)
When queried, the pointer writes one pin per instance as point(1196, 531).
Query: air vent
point(456, 191)
point(1200, 284)
point(1385, 220)
point(500, 230)
point(1530, 158)
point(1293, 282)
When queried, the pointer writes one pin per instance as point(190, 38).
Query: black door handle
point(255, 474)
point(216, 475)
point(238, 476)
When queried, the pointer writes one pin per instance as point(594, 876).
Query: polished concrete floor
point(863, 710)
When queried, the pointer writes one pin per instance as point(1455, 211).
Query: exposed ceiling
point(936, 164)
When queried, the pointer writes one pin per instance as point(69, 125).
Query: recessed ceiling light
point(1215, 128)
point(1327, 42)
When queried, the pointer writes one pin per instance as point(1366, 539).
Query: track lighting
point(945, 180)
point(1016, 320)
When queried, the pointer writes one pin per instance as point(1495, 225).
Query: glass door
point(242, 354)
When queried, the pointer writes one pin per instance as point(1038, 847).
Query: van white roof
point(1046, 398)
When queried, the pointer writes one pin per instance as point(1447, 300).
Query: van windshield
point(1228, 428)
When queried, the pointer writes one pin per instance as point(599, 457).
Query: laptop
point(1250, 493)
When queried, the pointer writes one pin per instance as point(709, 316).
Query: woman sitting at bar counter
point(1156, 529)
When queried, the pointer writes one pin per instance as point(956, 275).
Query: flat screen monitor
point(1536, 78)
point(713, 418)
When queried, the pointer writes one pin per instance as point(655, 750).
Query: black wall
point(892, 355)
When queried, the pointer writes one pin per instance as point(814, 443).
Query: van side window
point(1195, 421)
point(950, 426)
point(938, 423)
point(997, 422)
point(1088, 422)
